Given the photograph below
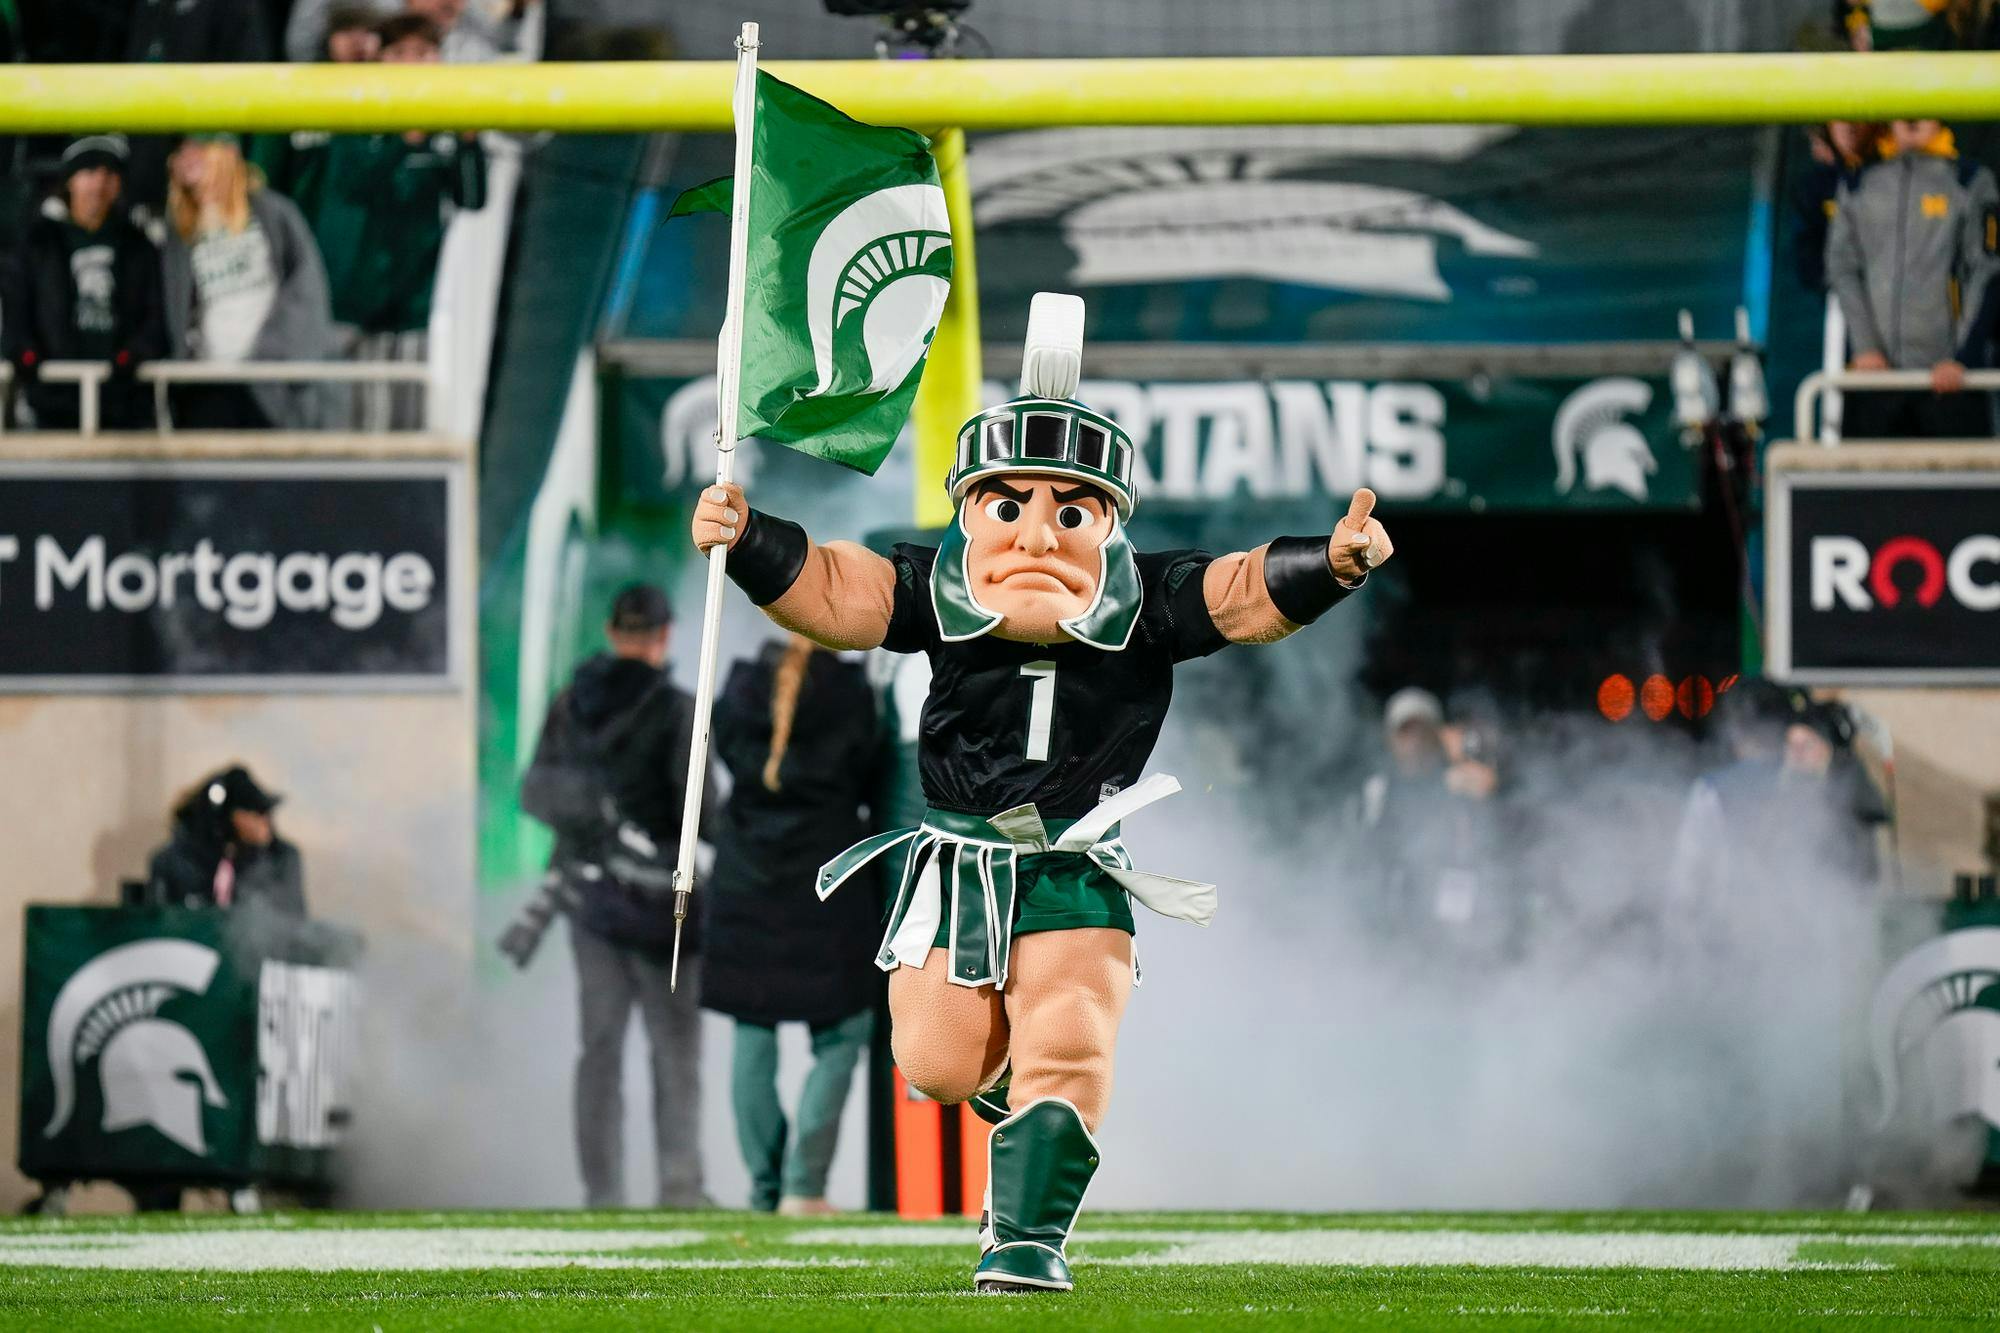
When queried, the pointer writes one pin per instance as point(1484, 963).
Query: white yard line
point(288, 1245)
point(366, 1249)
point(1353, 1247)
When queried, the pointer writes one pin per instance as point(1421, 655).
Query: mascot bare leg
point(1057, 1025)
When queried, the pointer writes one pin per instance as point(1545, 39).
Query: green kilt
point(969, 884)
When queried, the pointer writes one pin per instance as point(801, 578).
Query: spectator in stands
point(379, 206)
point(1838, 151)
point(351, 36)
point(468, 37)
point(1911, 256)
point(609, 776)
point(467, 42)
point(176, 32)
point(381, 222)
point(85, 286)
point(796, 728)
point(1901, 25)
point(225, 851)
point(243, 282)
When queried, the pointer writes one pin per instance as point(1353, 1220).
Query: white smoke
point(1631, 1049)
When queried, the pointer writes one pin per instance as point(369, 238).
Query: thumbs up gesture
point(1360, 542)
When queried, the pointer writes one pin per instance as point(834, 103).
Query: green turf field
point(1135, 1271)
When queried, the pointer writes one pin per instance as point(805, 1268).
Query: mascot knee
point(942, 1074)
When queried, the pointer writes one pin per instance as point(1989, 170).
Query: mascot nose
point(1038, 537)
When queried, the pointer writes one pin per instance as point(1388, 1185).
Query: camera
point(894, 8)
point(925, 28)
point(523, 935)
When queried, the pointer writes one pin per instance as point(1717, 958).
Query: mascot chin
point(1052, 644)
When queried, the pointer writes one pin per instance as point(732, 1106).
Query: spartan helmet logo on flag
point(152, 1071)
point(876, 287)
point(847, 266)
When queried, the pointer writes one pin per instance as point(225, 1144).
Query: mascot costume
point(1052, 645)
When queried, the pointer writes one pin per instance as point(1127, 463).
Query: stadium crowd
point(231, 248)
point(1909, 302)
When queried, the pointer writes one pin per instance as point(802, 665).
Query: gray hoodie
point(299, 326)
point(1912, 256)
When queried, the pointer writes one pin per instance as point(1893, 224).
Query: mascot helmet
point(1046, 431)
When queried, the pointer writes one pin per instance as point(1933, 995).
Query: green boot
point(991, 1105)
point(1039, 1163)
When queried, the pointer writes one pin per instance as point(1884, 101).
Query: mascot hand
point(719, 517)
point(1359, 542)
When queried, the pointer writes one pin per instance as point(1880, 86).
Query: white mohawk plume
point(1052, 362)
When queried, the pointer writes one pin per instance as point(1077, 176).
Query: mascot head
point(1037, 551)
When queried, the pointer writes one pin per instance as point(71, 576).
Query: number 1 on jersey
point(1041, 707)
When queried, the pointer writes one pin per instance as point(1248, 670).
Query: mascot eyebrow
point(1070, 496)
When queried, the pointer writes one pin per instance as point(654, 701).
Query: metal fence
point(90, 378)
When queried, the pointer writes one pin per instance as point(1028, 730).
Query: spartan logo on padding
point(1591, 425)
point(876, 287)
point(153, 1072)
point(1942, 1003)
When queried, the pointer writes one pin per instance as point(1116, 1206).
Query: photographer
point(609, 775)
point(224, 851)
point(1431, 826)
point(1795, 810)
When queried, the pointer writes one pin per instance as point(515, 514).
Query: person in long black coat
point(796, 728)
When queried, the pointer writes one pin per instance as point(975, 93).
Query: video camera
point(926, 28)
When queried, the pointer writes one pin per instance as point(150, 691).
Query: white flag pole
point(728, 393)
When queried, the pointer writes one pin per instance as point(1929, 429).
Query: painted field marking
point(1350, 1247)
point(365, 1249)
point(286, 1246)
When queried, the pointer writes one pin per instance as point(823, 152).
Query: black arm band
point(1300, 579)
point(766, 560)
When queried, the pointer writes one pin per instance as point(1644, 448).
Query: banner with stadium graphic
point(167, 1043)
point(1490, 443)
point(1322, 234)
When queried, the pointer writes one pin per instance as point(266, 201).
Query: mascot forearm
point(1052, 646)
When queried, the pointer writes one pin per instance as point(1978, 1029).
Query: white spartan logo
point(871, 261)
point(1932, 1011)
point(1592, 426)
point(153, 1072)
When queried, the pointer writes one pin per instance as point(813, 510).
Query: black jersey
point(1062, 725)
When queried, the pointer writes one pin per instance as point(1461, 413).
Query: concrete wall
point(379, 798)
point(1947, 765)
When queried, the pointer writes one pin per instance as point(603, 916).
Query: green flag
point(849, 264)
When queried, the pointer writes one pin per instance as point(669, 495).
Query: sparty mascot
point(1052, 645)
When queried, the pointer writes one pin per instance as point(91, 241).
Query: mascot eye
point(1003, 511)
point(1075, 516)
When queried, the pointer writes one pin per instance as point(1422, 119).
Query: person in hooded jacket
point(609, 776)
point(224, 852)
point(85, 286)
point(796, 728)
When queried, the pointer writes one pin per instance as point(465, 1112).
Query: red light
point(1726, 684)
point(1695, 697)
point(1656, 697)
point(1614, 698)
